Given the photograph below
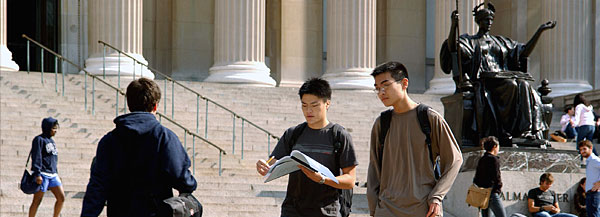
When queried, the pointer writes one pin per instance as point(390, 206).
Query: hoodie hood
point(47, 124)
point(136, 123)
point(587, 108)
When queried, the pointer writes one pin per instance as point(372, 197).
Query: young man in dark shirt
point(542, 202)
point(309, 193)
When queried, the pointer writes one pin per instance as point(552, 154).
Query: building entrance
point(38, 19)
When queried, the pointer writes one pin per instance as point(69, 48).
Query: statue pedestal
point(458, 112)
point(520, 170)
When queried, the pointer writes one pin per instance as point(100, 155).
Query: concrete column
point(443, 83)
point(240, 43)
point(350, 43)
point(6, 62)
point(566, 50)
point(118, 23)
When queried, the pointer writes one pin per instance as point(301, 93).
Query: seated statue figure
point(495, 69)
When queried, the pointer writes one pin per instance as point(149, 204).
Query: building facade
point(284, 42)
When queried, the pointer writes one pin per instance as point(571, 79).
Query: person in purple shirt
point(592, 174)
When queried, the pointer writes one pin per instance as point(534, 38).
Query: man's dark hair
point(546, 177)
point(142, 94)
point(488, 143)
point(567, 108)
point(586, 143)
point(396, 69)
point(579, 98)
point(317, 87)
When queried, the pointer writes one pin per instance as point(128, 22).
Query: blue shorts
point(49, 182)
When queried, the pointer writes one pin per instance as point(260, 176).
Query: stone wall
point(521, 169)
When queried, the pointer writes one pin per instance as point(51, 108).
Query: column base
point(285, 83)
point(561, 89)
point(441, 86)
point(95, 66)
point(6, 62)
point(246, 73)
point(353, 80)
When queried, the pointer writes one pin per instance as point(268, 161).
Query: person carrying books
point(310, 193)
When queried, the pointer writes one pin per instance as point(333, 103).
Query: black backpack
point(345, 195)
point(384, 123)
point(184, 205)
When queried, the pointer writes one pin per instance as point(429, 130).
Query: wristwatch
point(322, 181)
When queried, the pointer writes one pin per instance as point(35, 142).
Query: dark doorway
point(38, 19)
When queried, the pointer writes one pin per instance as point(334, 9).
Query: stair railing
point(118, 92)
point(198, 98)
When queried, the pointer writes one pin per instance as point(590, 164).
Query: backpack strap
point(344, 195)
point(336, 130)
point(424, 122)
point(295, 134)
point(423, 116)
point(384, 125)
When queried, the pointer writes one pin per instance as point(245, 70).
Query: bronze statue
point(495, 69)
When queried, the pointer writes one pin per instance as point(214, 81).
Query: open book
point(289, 164)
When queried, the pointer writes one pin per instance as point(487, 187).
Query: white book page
point(313, 165)
point(283, 166)
point(289, 164)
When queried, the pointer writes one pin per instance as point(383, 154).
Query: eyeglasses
point(383, 87)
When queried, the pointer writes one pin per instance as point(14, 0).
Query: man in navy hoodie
point(139, 162)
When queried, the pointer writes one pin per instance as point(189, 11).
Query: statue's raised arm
point(533, 41)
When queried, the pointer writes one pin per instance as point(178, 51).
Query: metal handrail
point(119, 91)
point(198, 95)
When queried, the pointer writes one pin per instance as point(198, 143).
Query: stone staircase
point(239, 191)
point(592, 95)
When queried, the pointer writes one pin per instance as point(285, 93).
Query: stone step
point(239, 191)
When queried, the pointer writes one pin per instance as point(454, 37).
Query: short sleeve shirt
point(305, 197)
point(542, 198)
